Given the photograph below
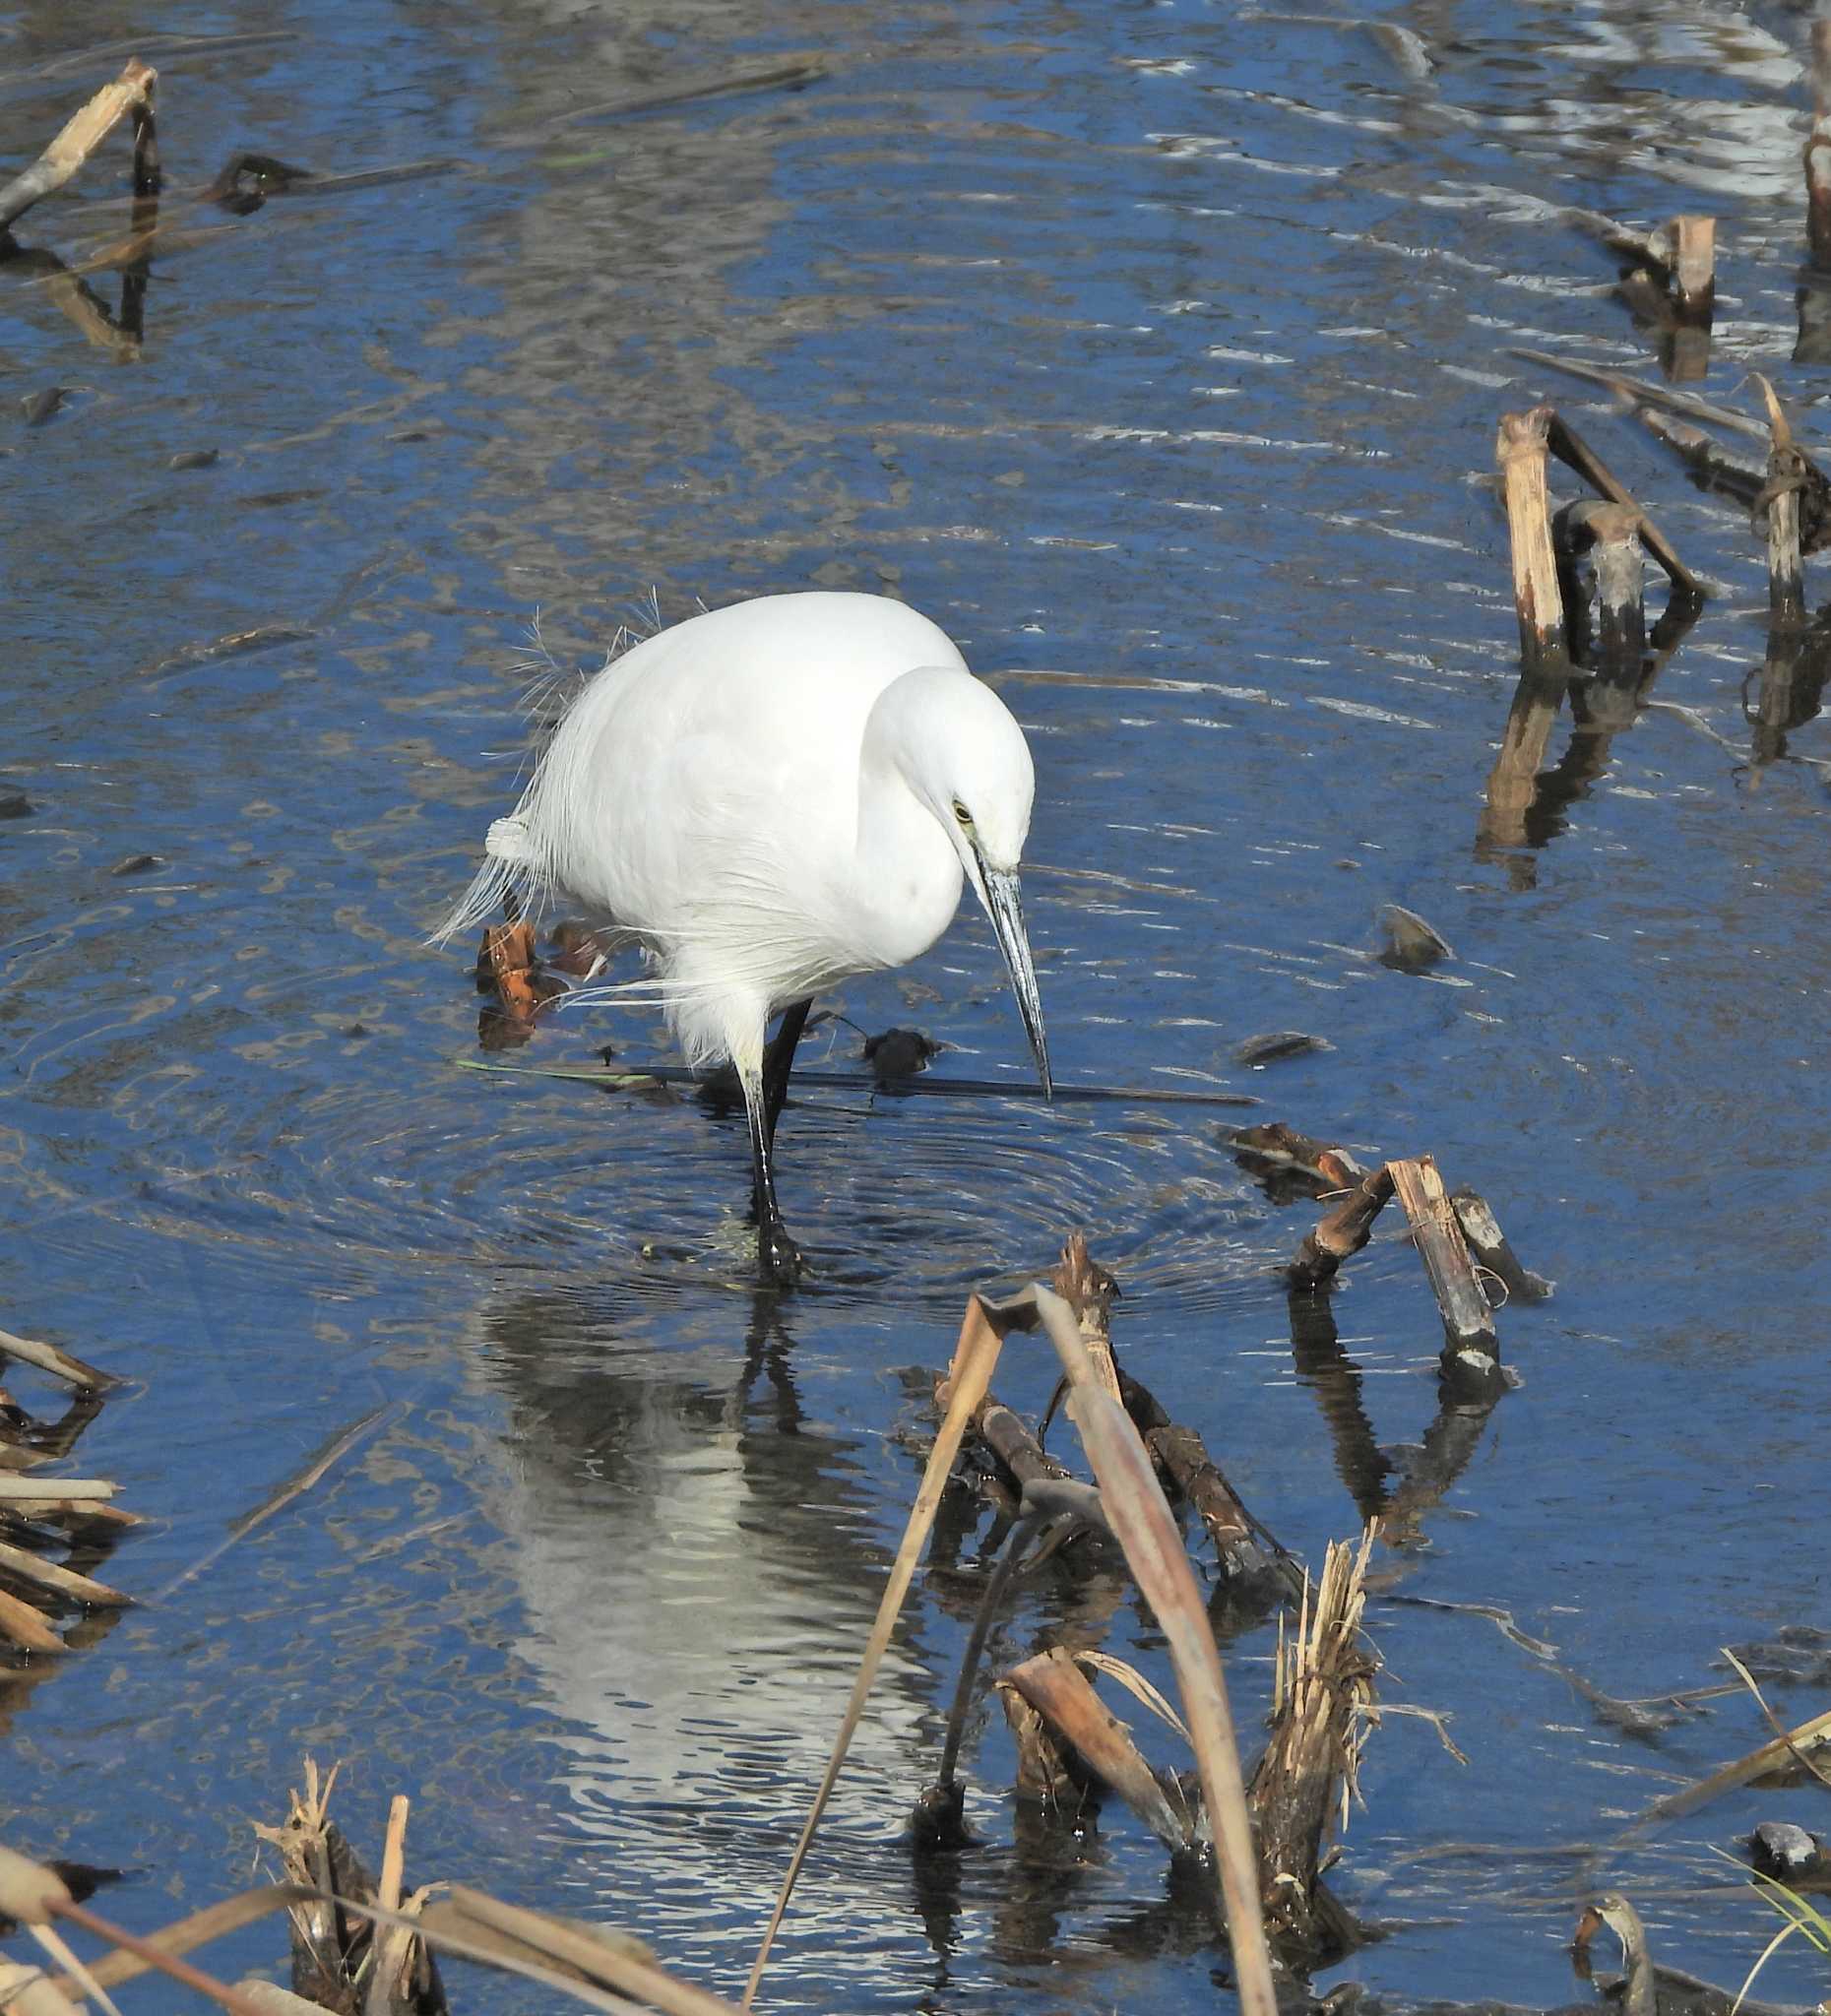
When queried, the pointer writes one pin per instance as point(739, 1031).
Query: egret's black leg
point(779, 1061)
point(779, 1259)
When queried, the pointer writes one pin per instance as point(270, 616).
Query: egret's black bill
point(1005, 905)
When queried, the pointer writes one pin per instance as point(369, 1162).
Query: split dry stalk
point(1311, 1766)
point(80, 136)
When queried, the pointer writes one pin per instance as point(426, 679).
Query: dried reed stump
point(1309, 1769)
point(1602, 541)
point(1789, 474)
point(1577, 455)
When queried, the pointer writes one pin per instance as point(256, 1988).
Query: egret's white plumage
point(773, 797)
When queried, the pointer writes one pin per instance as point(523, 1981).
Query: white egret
point(772, 798)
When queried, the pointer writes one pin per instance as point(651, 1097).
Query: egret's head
point(965, 757)
point(1612, 1910)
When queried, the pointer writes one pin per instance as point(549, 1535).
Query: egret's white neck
point(905, 874)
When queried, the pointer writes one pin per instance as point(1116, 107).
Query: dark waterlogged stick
point(294, 1487)
point(1606, 536)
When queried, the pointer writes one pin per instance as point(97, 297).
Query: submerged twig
point(294, 1487)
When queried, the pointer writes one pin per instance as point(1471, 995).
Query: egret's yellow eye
point(961, 814)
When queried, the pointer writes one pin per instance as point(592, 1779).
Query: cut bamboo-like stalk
point(1786, 477)
point(1493, 1252)
point(1520, 450)
point(27, 1626)
point(62, 1580)
point(1467, 1318)
point(61, 1365)
point(63, 1490)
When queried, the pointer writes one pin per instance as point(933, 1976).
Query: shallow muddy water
point(1157, 352)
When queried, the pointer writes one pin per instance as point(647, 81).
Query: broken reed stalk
point(589, 1957)
point(1325, 1684)
point(1089, 1291)
point(1493, 1252)
point(213, 1921)
point(1811, 1734)
point(179, 1970)
point(1142, 1523)
point(1520, 450)
point(60, 1364)
point(1688, 249)
point(1343, 1233)
point(1058, 1690)
point(1786, 477)
point(1818, 152)
point(1472, 1351)
point(394, 1952)
point(1042, 1770)
point(76, 140)
point(1007, 1438)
